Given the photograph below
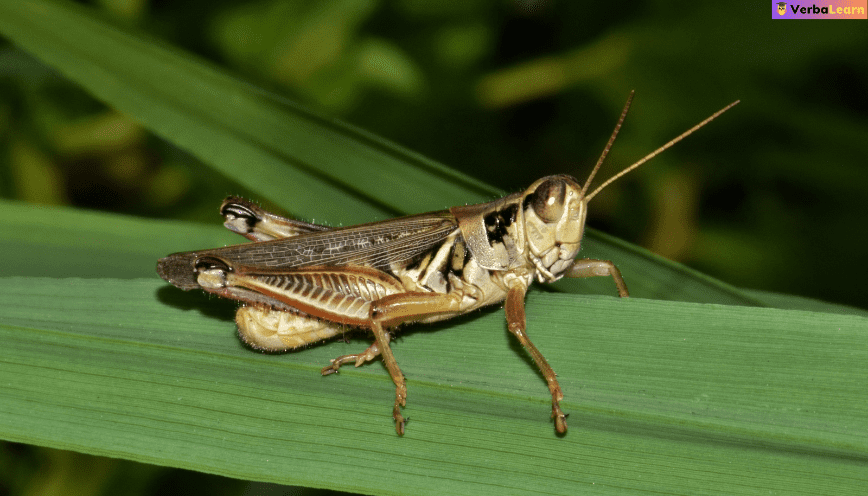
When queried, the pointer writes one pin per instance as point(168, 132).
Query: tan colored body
point(302, 283)
point(472, 256)
point(278, 330)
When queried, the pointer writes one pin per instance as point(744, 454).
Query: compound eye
point(549, 199)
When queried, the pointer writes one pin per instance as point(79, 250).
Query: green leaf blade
point(665, 397)
point(158, 376)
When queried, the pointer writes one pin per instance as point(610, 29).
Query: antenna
point(650, 155)
point(609, 144)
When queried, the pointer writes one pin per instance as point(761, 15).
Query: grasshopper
point(301, 283)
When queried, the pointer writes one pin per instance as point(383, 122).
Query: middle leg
point(517, 324)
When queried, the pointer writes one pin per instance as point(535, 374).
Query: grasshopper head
point(554, 210)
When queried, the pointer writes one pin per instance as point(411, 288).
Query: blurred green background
point(771, 196)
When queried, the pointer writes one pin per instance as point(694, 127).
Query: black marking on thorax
point(459, 257)
point(497, 222)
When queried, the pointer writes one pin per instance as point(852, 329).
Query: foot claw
point(331, 369)
point(560, 419)
point(400, 422)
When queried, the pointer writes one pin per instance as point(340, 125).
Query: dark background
point(771, 196)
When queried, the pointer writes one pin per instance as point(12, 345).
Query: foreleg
point(588, 267)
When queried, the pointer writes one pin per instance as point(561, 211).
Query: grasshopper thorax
point(554, 210)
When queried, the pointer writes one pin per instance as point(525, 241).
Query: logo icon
point(835, 9)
